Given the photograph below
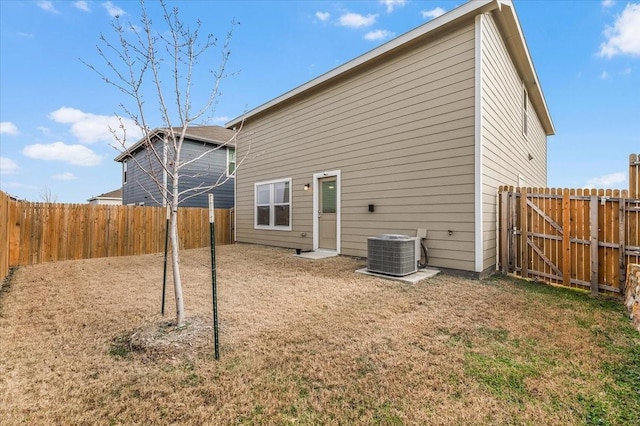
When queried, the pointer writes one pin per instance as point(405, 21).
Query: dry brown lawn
point(305, 342)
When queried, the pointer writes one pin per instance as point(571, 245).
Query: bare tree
point(161, 63)
point(47, 196)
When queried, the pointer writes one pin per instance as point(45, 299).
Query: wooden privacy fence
point(581, 238)
point(575, 238)
point(32, 233)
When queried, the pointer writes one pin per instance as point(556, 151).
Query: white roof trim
point(507, 15)
point(467, 8)
point(160, 132)
point(533, 86)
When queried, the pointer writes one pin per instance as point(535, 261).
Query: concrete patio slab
point(317, 254)
point(421, 274)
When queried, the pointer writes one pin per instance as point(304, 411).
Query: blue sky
point(55, 112)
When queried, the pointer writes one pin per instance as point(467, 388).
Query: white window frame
point(124, 172)
point(229, 149)
point(272, 205)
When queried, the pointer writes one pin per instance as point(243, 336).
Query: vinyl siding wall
point(140, 187)
point(401, 132)
point(505, 147)
point(204, 171)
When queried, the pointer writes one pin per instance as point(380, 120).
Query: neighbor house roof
point(116, 194)
point(506, 19)
point(216, 135)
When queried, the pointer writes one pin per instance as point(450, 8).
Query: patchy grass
point(307, 342)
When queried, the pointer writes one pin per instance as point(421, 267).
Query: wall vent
point(393, 254)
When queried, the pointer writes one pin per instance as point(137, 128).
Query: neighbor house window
point(273, 204)
point(231, 161)
point(124, 171)
point(525, 105)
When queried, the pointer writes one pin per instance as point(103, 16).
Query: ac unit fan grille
point(392, 254)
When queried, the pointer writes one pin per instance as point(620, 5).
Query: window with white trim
point(124, 172)
point(231, 161)
point(273, 205)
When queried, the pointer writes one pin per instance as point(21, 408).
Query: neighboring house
point(113, 198)
point(417, 133)
point(139, 187)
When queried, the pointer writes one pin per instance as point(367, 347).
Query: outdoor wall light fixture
point(307, 186)
point(530, 157)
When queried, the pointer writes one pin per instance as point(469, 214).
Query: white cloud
point(67, 115)
point(608, 3)
point(26, 35)
point(112, 9)
point(433, 13)
point(221, 119)
point(90, 128)
point(623, 37)
point(18, 185)
point(323, 16)
point(604, 75)
point(355, 20)
point(391, 4)
point(47, 6)
point(7, 127)
point(78, 155)
point(607, 181)
point(626, 71)
point(44, 130)
point(8, 166)
point(378, 35)
point(82, 5)
point(64, 176)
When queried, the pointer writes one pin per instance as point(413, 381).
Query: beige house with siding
point(417, 133)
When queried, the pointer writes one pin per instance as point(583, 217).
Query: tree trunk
point(175, 256)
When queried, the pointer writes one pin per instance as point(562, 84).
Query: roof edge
point(158, 132)
point(522, 58)
point(470, 8)
point(136, 146)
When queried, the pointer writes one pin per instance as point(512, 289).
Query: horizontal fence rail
point(32, 233)
point(4, 235)
point(570, 237)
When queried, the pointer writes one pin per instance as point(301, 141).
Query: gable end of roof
point(507, 20)
point(214, 135)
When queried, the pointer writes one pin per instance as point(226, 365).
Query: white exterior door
point(327, 222)
point(326, 210)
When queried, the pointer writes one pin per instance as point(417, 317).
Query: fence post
point(524, 234)
point(594, 244)
point(634, 176)
point(504, 229)
point(566, 238)
point(622, 237)
point(214, 292)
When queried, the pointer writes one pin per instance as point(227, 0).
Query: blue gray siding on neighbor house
point(141, 188)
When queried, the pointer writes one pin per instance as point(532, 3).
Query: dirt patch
point(162, 340)
point(303, 341)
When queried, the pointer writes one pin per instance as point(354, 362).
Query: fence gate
point(575, 238)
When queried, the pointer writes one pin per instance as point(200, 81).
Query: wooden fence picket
point(33, 233)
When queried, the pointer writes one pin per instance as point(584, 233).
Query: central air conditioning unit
point(393, 254)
